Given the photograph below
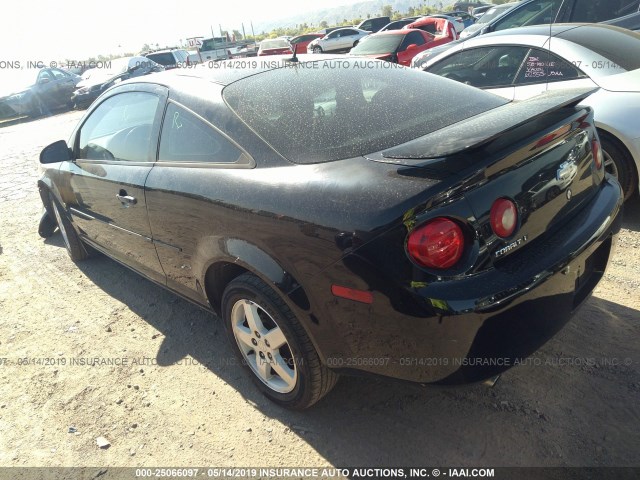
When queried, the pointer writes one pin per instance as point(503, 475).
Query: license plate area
point(591, 271)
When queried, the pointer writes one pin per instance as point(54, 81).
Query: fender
point(228, 255)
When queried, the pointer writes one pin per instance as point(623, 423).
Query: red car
point(300, 42)
point(441, 28)
point(397, 46)
point(274, 46)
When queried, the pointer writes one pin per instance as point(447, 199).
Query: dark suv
point(374, 24)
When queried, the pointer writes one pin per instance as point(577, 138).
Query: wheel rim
point(317, 50)
point(61, 226)
point(609, 165)
point(264, 346)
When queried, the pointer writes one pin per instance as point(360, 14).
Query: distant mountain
point(338, 14)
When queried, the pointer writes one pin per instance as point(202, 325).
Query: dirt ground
point(178, 400)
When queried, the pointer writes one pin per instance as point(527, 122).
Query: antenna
point(294, 47)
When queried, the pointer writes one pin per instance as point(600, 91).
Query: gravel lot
point(179, 401)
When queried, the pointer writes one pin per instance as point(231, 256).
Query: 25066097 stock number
point(167, 472)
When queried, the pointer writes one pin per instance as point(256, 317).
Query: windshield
point(325, 110)
point(494, 13)
point(377, 44)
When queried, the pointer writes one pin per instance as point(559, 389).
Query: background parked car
point(301, 42)
point(373, 24)
point(101, 79)
point(457, 23)
point(477, 12)
point(489, 15)
point(396, 46)
point(535, 12)
point(340, 40)
point(275, 46)
point(34, 92)
point(468, 5)
point(524, 62)
point(170, 59)
point(466, 18)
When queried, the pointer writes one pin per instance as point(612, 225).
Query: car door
point(332, 41)
point(65, 85)
point(348, 38)
point(46, 88)
point(193, 157)
point(114, 150)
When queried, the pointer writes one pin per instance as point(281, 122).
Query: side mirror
point(43, 81)
point(412, 46)
point(56, 152)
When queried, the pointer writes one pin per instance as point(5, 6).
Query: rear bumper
point(467, 330)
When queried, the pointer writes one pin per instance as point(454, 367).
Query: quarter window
point(120, 128)
point(187, 138)
point(542, 67)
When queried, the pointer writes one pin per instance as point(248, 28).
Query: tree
point(324, 24)
point(387, 10)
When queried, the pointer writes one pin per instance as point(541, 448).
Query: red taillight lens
point(597, 153)
point(438, 244)
point(504, 217)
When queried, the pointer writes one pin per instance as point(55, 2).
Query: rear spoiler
point(484, 128)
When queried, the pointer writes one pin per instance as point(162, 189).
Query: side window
point(119, 129)
point(187, 138)
point(484, 67)
point(602, 10)
point(58, 74)
point(412, 38)
point(542, 66)
point(44, 75)
point(366, 25)
point(534, 13)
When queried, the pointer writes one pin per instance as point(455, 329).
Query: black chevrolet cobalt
point(344, 215)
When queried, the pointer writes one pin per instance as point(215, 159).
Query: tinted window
point(119, 128)
point(620, 46)
point(187, 138)
point(323, 110)
point(165, 58)
point(59, 74)
point(377, 44)
point(44, 74)
point(412, 38)
point(601, 10)
point(483, 67)
point(495, 12)
point(534, 13)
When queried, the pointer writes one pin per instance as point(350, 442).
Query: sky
point(44, 30)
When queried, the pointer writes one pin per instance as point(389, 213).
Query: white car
point(340, 40)
point(524, 62)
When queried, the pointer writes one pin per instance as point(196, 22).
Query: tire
point(619, 163)
point(75, 248)
point(317, 49)
point(355, 43)
point(254, 315)
point(47, 226)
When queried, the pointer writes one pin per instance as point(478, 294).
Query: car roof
point(226, 72)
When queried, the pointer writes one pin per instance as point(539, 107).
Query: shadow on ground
point(541, 411)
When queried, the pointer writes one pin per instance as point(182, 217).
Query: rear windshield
point(162, 58)
point(619, 45)
point(277, 43)
point(326, 110)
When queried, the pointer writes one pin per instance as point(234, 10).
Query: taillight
point(597, 153)
point(504, 217)
point(438, 244)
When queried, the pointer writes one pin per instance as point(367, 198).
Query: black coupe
point(344, 215)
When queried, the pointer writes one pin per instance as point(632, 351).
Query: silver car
point(340, 40)
point(524, 62)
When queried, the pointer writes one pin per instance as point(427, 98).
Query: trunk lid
point(537, 153)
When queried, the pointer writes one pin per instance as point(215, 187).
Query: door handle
point(125, 199)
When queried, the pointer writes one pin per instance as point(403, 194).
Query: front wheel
point(272, 345)
point(75, 248)
point(317, 49)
